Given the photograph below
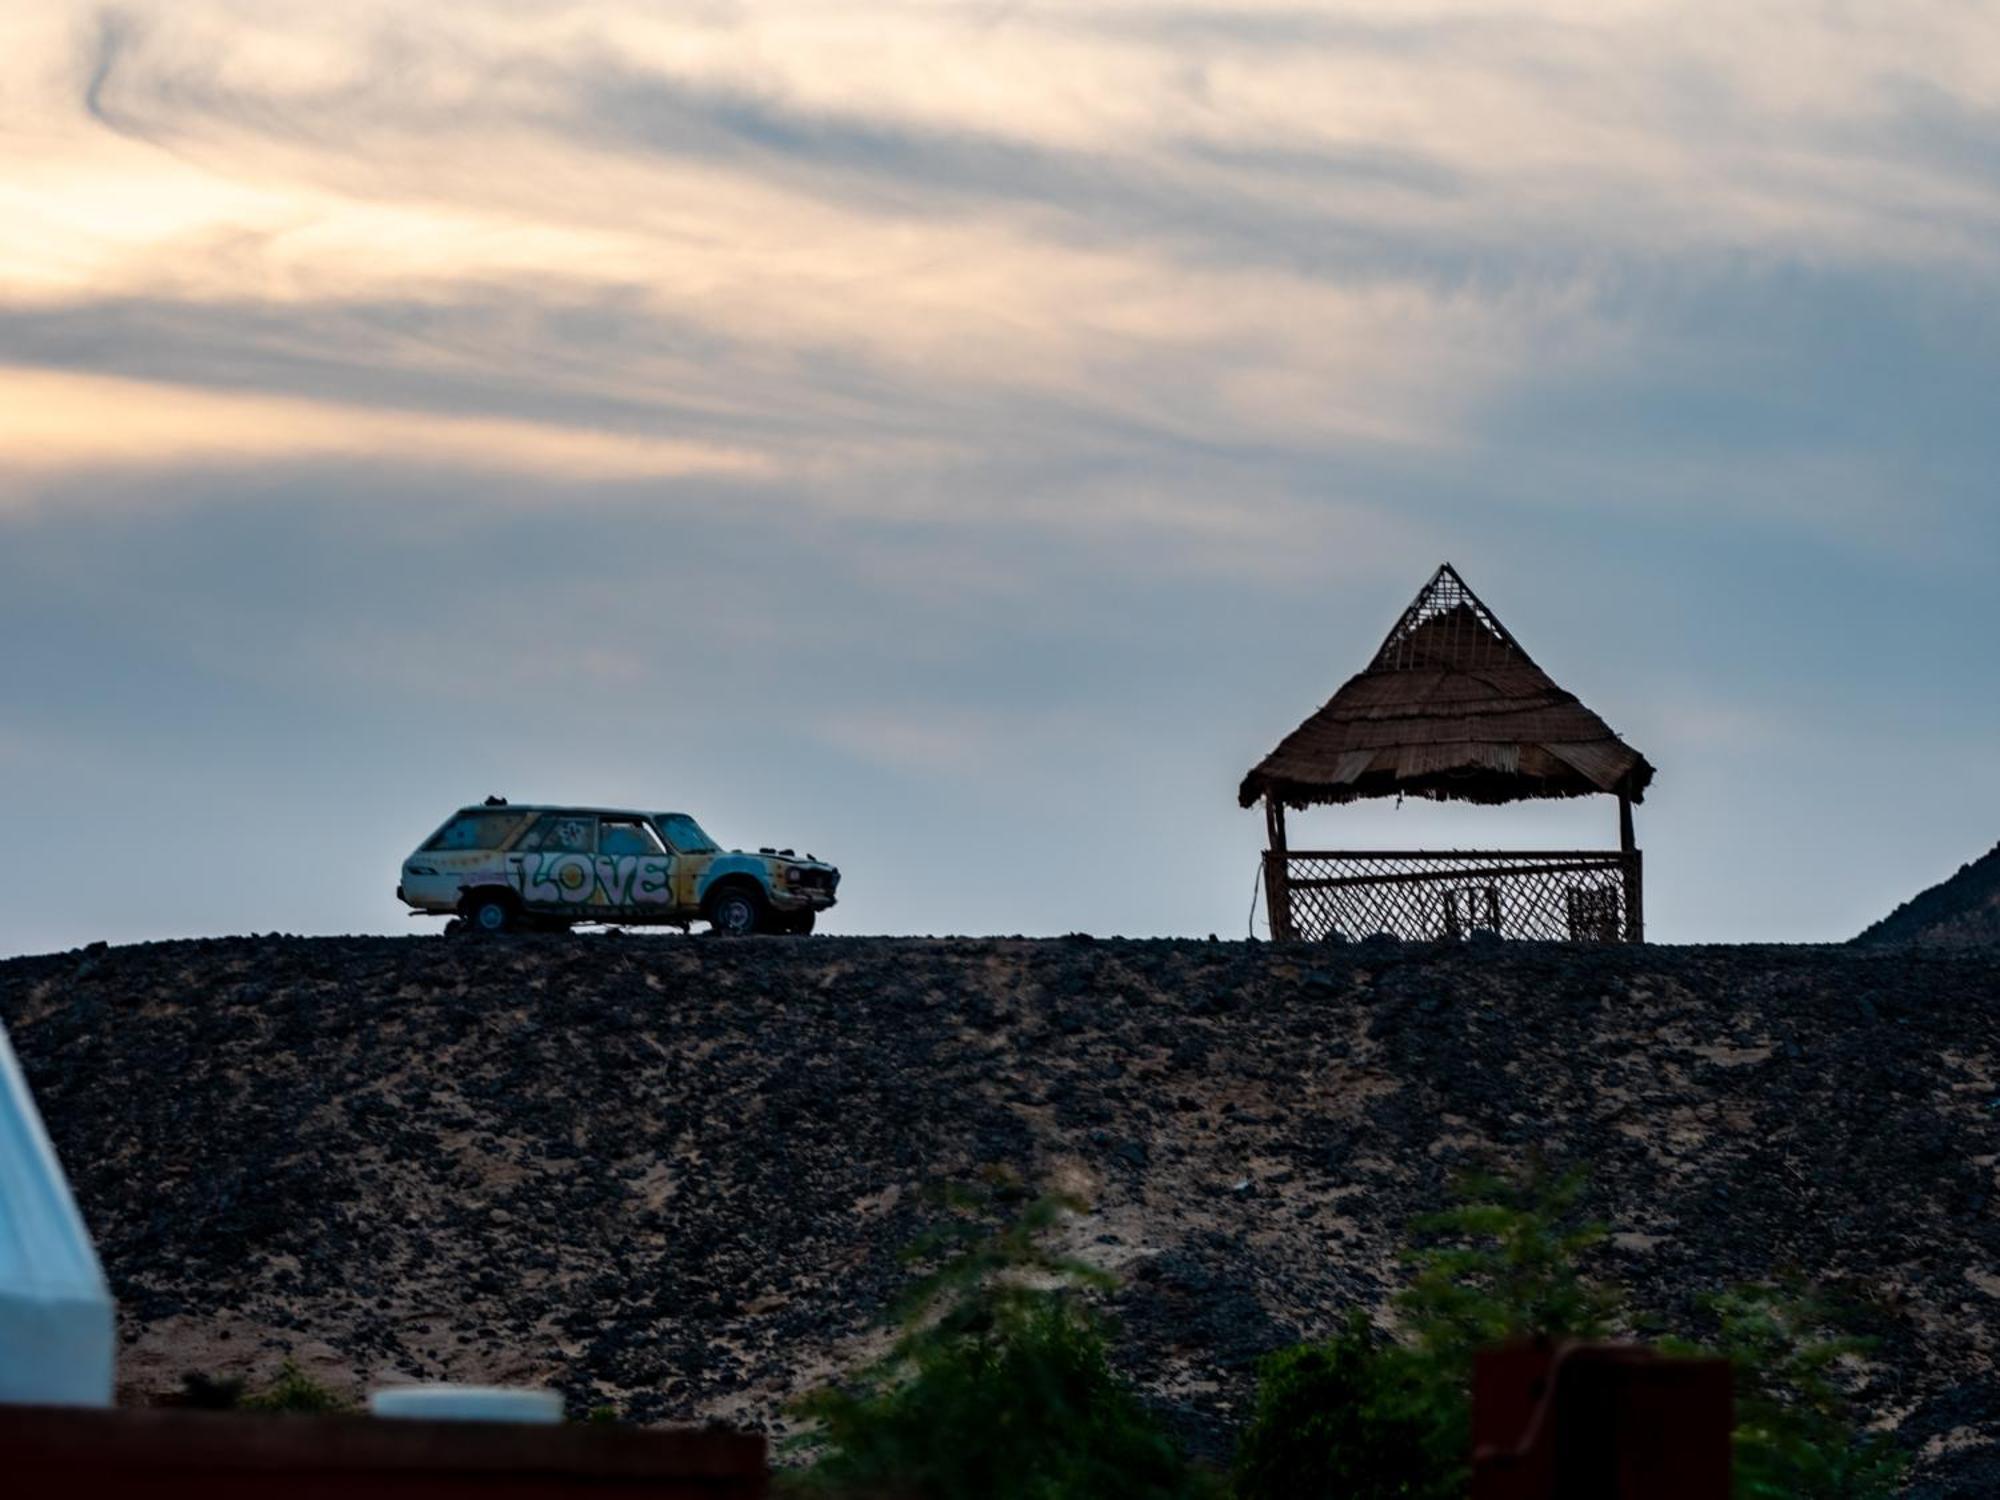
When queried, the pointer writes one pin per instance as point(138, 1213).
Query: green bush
point(1362, 1417)
point(1503, 1263)
point(998, 1389)
point(1357, 1418)
point(1025, 1408)
point(1797, 1433)
point(294, 1392)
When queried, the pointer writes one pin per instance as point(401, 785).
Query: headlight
point(793, 874)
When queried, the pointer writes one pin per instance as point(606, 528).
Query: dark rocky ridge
point(674, 1174)
point(1961, 912)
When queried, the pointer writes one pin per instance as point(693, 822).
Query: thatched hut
point(1452, 708)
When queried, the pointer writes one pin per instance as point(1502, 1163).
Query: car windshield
point(685, 834)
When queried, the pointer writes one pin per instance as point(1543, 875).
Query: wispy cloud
point(52, 421)
point(866, 244)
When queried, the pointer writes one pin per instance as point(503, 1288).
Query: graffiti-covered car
point(501, 868)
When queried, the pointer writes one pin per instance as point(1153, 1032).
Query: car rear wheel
point(735, 911)
point(490, 912)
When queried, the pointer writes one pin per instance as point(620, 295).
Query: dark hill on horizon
point(1961, 912)
point(675, 1174)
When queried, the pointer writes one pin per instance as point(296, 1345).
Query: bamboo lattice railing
point(1570, 895)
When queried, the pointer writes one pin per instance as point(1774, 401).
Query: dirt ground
point(673, 1175)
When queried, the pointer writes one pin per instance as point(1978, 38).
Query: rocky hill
point(1962, 912)
point(674, 1174)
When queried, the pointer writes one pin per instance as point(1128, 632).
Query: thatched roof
point(1451, 708)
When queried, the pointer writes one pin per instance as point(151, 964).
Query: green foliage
point(1354, 1417)
point(987, 1273)
point(1024, 1409)
point(1503, 1264)
point(1362, 1417)
point(294, 1392)
point(999, 1387)
point(1797, 1436)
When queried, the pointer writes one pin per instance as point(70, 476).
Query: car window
point(476, 830)
point(563, 833)
point(626, 836)
point(685, 834)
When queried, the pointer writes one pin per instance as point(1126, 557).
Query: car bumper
point(801, 900)
point(426, 906)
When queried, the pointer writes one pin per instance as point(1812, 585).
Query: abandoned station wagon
point(501, 868)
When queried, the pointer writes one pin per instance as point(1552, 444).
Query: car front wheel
point(736, 912)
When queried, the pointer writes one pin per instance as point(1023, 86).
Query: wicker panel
point(1563, 896)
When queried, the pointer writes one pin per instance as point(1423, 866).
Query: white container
point(466, 1403)
point(57, 1341)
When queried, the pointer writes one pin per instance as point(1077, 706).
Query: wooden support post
point(1635, 889)
point(1277, 872)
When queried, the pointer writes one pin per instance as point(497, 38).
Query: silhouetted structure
point(1451, 708)
point(1570, 1421)
point(196, 1455)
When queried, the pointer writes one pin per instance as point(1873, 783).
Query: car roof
point(567, 807)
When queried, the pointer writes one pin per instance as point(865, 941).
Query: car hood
point(775, 857)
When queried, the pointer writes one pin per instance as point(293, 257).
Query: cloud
point(52, 421)
point(1104, 230)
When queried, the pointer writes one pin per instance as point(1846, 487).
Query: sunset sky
point(961, 439)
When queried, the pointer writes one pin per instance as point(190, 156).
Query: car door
point(554, 866)
point(635, 873)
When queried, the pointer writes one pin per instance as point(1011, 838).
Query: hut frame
point(1451, 707)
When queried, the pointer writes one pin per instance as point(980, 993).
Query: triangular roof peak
point(1448, 626)
point(1450, 707)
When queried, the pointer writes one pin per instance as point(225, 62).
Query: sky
point(961, 439)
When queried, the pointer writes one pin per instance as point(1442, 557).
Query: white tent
point(56, 1333)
